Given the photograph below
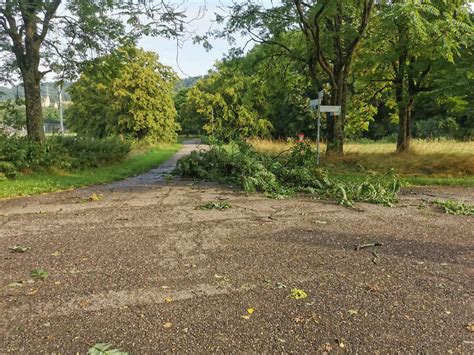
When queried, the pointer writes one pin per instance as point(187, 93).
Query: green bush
point(285, 174)
point(19, 154)
point(87, 152)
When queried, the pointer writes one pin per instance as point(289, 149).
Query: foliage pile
point(20, 154)
point(285, 174)
point(456, 207)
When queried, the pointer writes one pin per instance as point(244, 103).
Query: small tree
point(128, 92)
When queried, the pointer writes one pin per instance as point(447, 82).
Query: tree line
point(400, 59)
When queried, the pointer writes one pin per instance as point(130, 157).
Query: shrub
point(87, 152)
point(19, 154)
point(284, 175)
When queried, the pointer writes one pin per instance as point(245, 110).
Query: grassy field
point(139, 161)
point(430, 163)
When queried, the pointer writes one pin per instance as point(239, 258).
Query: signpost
point(333, 109)
point(316, 104)
point(61, 120)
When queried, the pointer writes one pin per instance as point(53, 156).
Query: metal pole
point(61, 121)
point(320, 101)
point(317, 133)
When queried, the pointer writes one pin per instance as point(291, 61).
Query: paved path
point(158, 174)
point(147, 271)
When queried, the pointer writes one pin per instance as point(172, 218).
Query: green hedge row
point(21, 155)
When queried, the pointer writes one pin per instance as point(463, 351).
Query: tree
point(226, 105)
point(36, 38)
point(331, 31)
point(285, 87)
point(409, 40)
point(128, 92)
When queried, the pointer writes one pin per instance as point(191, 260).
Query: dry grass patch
point(443, 159)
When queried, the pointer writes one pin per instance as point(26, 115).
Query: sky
point(190, 59)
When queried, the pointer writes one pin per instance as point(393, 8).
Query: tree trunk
point(404, 127)
point(34, 110)
point(335, 132)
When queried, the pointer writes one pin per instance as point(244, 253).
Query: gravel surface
point(144, 270)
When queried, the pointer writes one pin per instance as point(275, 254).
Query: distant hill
point(11, 92)
point(188, 82)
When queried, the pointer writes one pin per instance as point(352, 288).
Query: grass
point(429, 163)
point(139, 161)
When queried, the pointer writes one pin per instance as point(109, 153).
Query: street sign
point(313, 104)
point(334, 109)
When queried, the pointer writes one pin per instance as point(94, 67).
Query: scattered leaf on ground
point(470, 326)
point(167, 325)
point(168, 299)
point(368, 245)
point(213, 205)
point(249, 313)
point(105, 349)
point(56, 253)
point(93, 198)
point(16, 284)
point(327, 347)
point(32, 292)
point(18, 248)
point(38, 274)
point(353, 312)
point(297, 294)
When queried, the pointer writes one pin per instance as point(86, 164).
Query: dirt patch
point(146, 271)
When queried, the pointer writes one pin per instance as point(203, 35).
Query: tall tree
point(411, 38)
point(332, 31)
point(40, 36)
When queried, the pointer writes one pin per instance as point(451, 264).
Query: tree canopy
point(128, 92)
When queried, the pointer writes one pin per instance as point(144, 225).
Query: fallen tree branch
point(367, 245)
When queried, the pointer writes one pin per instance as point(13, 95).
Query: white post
point(320, 101)
point(61, 121)
point(317, 135)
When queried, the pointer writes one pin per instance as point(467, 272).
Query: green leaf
point(297, 294)
point(105, 349)
point(18, 248)
point(39, 274)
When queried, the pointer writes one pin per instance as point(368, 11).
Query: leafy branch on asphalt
point(285, 175)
